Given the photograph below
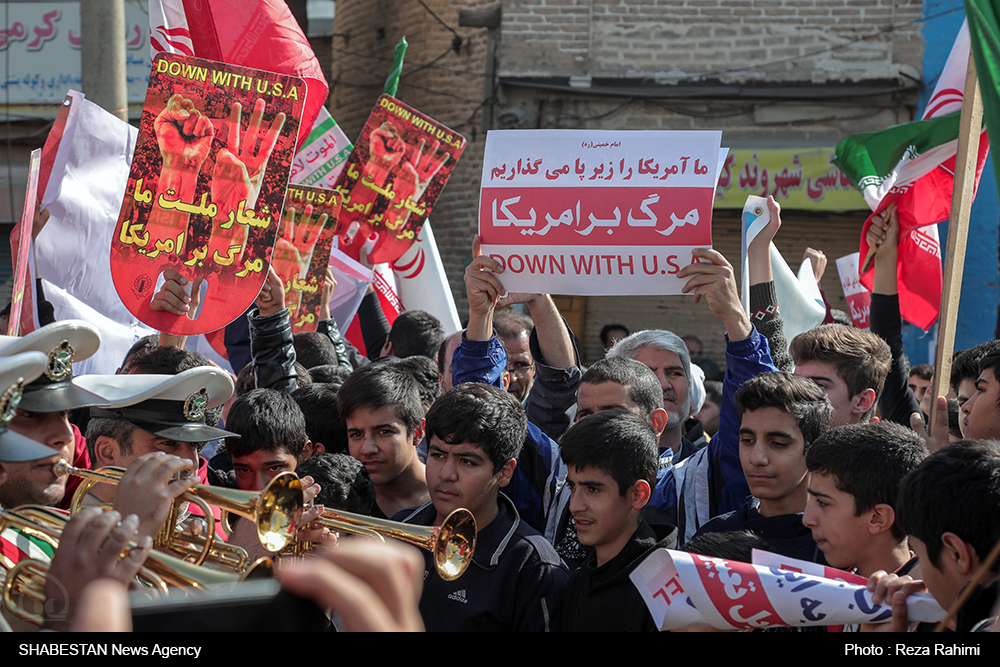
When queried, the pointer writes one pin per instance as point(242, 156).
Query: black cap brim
point(58, 397)
point(16, 448)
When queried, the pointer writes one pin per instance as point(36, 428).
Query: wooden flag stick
point(958, 230)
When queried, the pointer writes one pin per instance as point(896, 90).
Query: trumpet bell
point(455, 544)
point(280, 509)
point(451, 544)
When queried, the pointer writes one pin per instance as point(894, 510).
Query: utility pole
point(102, 54)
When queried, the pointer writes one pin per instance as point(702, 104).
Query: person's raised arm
point(174, 298)
point(554, 340)
point(552, 398)
point(481, 357)
point(712, 278)
point(764, 307)
point(557, 372)
point(348, 356)
point(747, 355)
point(271, 343)
point(484, 291)
point(897, 402)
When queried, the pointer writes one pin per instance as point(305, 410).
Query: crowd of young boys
point(420, 424)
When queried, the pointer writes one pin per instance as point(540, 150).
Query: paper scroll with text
point(592, 212)
point(394, 176)
point(206, 187)
point(302, 251)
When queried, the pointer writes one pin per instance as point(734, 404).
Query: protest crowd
point(397, 473)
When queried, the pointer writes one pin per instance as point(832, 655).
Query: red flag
point(261, 34)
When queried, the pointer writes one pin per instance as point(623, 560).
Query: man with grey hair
point(667, 356)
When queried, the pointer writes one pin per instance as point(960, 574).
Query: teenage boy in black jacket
point(612, 460)
point(780, 416)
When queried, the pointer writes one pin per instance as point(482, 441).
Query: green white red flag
point(913, 166)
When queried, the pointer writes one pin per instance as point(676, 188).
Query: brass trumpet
point(275, 512)
point(27, 579)
point(452, 543)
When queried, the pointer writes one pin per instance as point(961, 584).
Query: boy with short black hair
point(380, 404)
point(780, 416)
point(949, 507)
point(624, 384)
point(516, 580)
point(856, 471)
point(981, 412)
point(272, 438)
point(612, 461)
point(414, 332)
point(318, 402)
point(613, 383)
point(965, 369)
point(344, 483)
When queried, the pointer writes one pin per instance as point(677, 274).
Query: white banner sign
point(859, 299)
point(323, 155)
point(594, 212)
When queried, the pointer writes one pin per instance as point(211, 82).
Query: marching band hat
point(64, 342)
point(15, 373)
point(169, 406)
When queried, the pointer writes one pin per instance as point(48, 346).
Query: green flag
point(984, 30)
point(878, 161)
point(392, 83)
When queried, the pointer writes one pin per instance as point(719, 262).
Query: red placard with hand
point(396, 172)
point(205, 192)
point(302, 253)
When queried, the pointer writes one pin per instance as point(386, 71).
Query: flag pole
point(958, 229)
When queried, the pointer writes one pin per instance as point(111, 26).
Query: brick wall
point(666, 39)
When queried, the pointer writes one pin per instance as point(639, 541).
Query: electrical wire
point(439, 92)
point(439, 20)
point(419, 66)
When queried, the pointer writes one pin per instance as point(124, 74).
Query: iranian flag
point(913, 166)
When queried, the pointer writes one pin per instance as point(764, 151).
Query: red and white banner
point(415, 281)
point(859, 299)
point(684, 590)
point(592, 212)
